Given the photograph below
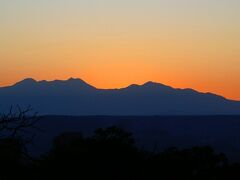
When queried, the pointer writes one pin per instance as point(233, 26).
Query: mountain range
point(76, 97)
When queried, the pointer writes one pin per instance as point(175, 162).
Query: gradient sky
point(114, 43)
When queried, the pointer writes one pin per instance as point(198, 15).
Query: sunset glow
point(112, 44)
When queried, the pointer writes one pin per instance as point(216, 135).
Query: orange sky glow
point(112, 44)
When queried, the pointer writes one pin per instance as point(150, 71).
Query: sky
point(111, 43)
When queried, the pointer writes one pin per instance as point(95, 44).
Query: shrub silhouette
point(194, 163)
point(111, 154)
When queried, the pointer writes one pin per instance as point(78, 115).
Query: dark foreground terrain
point(153, 133)
point(116, 148)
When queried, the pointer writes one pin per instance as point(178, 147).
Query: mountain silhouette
point(76, 97)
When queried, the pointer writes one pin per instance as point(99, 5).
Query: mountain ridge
point(76, 97)
point(32, 81)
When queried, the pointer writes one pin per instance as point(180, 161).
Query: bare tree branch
point(19, 124)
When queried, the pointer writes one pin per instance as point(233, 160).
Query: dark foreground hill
point(76, 97)
point(151, 133)
point(119, 147)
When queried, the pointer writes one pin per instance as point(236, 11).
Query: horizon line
point(132, 84)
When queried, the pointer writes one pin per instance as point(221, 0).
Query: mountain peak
point(155, 84)
point(78, 82)
point(74, 79)
point(27, 81)
point(150, 83)
point(69, 83)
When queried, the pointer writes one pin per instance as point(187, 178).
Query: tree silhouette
point(15, 135)
point(113, 135)
point(108, 154)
